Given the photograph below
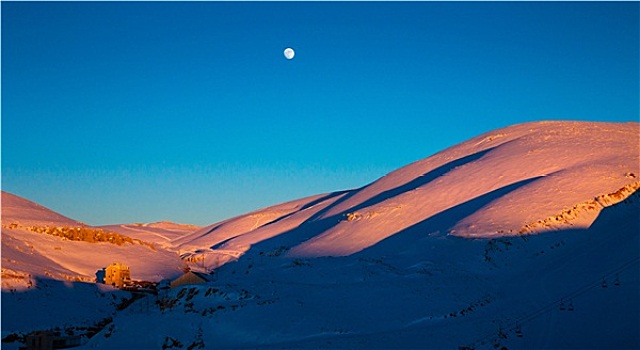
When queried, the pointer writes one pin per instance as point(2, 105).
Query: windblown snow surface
point(524, 237)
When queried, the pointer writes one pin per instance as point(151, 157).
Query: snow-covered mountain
point(50, 263)
point(38, 242)
point(524, 237)
point(523, 179)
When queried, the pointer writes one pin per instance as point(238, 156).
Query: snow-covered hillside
point(574, 288)
point(19, 210)
point(527, 178)
point(50, 262)
point(524, 237)
point(160, 233)
point(36, 244)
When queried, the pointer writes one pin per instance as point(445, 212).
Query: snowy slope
point(159, 233)
point(48, 280)
point(220, 243)
point(521, 179)
point(573, 288)
point(28, 253)
point(26, 212)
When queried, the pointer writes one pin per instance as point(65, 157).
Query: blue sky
point(124, 112)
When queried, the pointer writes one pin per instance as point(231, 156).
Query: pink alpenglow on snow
point(524, 237)
point(523, 179)
point(40, 243)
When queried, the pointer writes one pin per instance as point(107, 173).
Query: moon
point(289, 53)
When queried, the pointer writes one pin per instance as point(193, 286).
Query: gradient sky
point(137, 112)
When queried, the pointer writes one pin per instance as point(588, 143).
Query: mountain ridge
point(501, 183)
point(514, 178)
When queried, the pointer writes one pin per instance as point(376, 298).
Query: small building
point(47, 340)
point(117, 275)
point(190, 277)
point(42, 340)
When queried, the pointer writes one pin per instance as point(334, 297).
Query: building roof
point(191, 277)
point(204, 276)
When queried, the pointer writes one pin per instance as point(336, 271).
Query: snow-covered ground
point(524, 237)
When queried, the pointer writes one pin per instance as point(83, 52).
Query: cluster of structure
point(48, 340)
point(119, 276)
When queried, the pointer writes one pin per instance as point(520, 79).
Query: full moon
point(289, 53)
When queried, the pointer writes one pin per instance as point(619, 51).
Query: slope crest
point(543, 169)
point(22, 211)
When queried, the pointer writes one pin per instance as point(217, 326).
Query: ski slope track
point(525, 237)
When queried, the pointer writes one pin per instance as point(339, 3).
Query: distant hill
point(160, 233)
point(40, 243)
